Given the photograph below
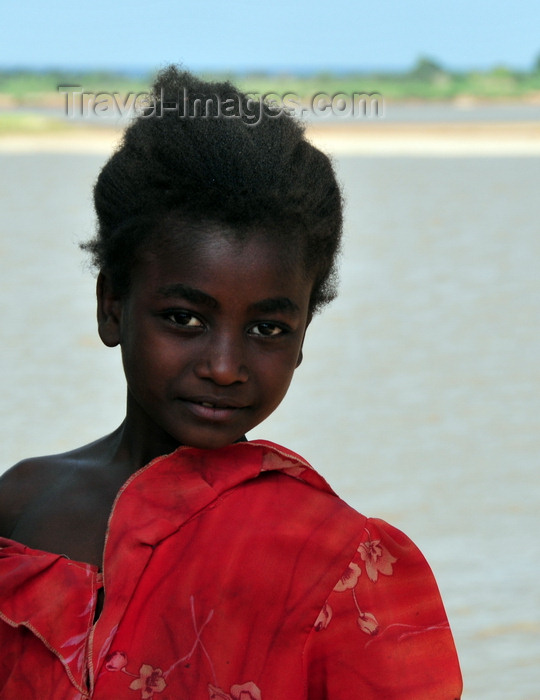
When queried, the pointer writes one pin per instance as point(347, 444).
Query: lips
point(215, 402)
point(213, 408)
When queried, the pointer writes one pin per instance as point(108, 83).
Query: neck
point(139, 441)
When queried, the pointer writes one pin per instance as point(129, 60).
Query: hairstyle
point(206, 152)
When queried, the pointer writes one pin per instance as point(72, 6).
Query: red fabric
point(231, 574)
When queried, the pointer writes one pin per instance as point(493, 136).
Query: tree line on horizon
point(427, 78)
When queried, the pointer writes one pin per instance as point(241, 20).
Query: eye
point(185, 319)
point(267, 330)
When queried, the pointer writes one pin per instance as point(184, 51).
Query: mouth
point(212, 408)
point(217, 403)
point(208, 404)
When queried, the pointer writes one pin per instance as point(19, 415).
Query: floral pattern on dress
point(323, 620)
point(149, 681)
point(245, 691)
point(116, 661)
point(349, 579)
point(152, 680)
point(377, 560)
point(367, 622)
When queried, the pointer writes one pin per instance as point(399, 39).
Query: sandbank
point(347, 138)
point(425, 139)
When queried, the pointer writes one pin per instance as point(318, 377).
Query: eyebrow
point(197, 296)
point(183, 291)
point(274, 304)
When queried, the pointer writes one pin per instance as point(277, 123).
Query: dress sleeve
point(383, 631)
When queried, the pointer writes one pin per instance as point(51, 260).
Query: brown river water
point(419, 393)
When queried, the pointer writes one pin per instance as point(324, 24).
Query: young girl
point(173, 559)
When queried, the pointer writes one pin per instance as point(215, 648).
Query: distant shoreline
point(444, 139)
point(354, 138)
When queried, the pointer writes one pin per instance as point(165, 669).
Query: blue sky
point(282, 35)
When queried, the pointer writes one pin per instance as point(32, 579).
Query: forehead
point(219, 261)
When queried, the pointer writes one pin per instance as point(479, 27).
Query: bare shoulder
point(31, 479)
point(20, 485)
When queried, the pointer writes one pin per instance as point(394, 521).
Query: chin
point(210, 443)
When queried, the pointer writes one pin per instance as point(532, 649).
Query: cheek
point(147, 360)
point(275, 372)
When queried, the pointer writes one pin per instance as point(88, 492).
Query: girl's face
point(211, 333)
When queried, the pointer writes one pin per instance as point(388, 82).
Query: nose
point(223, 361)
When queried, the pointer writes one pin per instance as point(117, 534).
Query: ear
point(109, 311)
point(301, 353)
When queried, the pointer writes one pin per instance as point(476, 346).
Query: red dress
point(230, 574)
